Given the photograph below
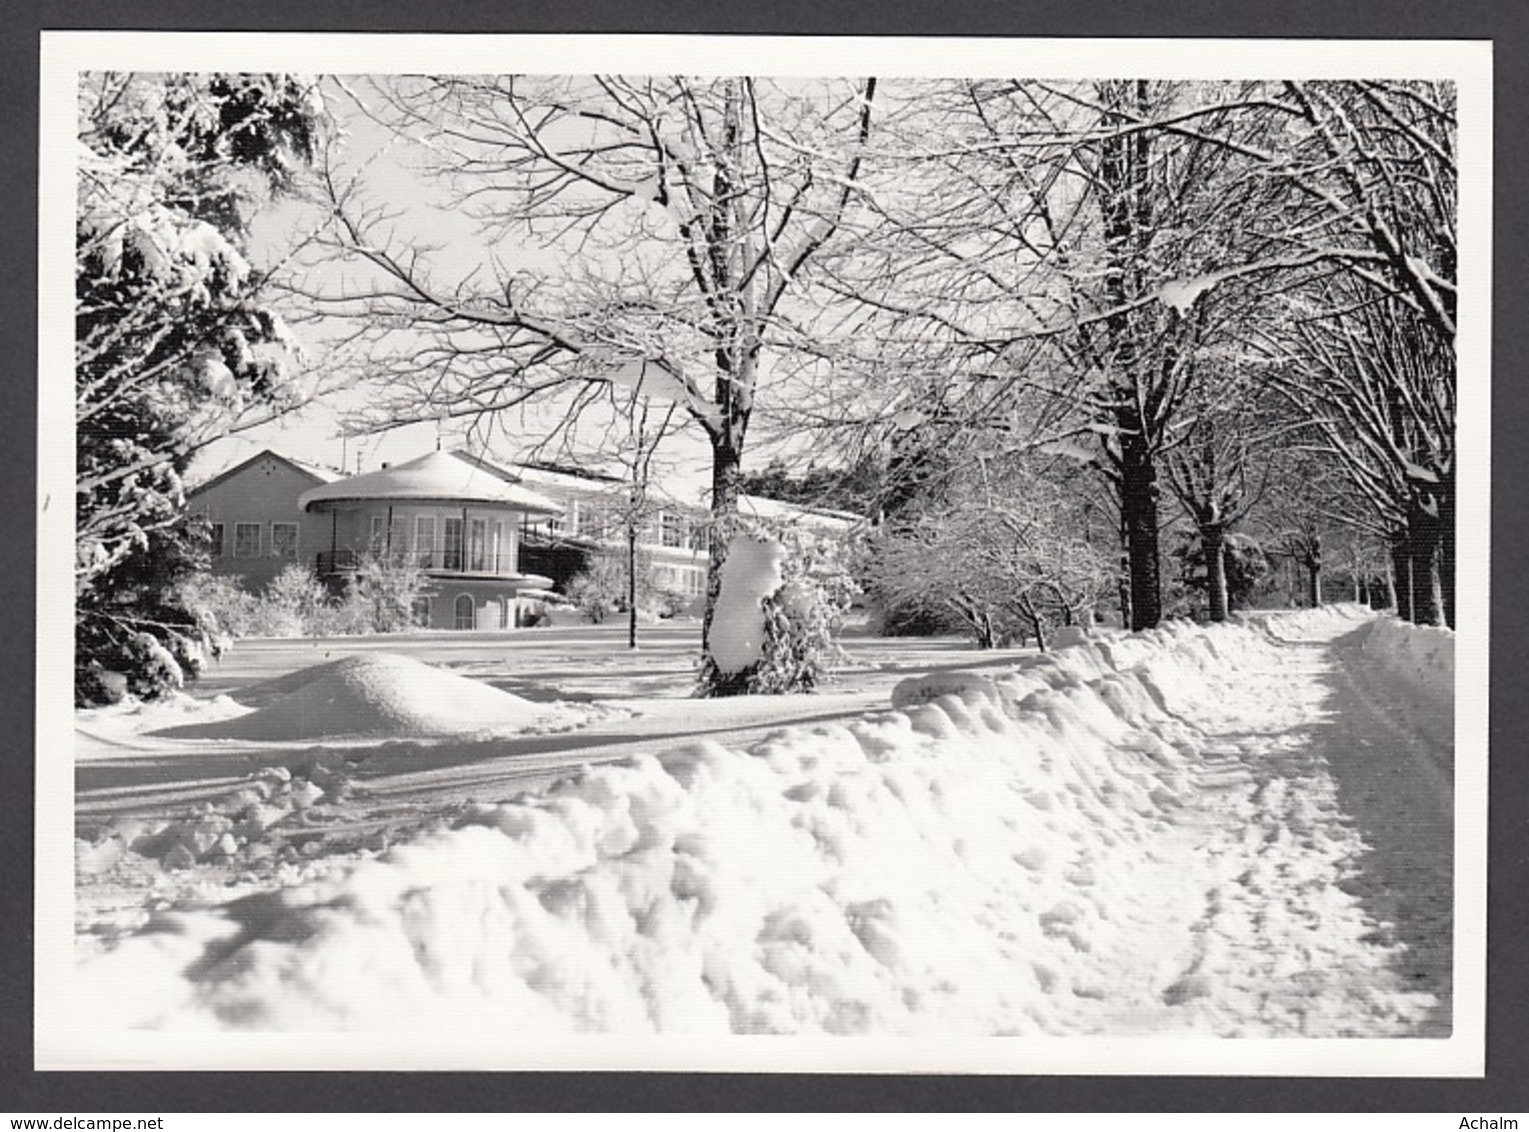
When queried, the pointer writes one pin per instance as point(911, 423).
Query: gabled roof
point(439, 477)
point(317, 474)
point(326, 475)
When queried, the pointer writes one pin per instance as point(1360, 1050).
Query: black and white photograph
point(853, 555)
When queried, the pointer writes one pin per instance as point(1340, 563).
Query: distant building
point(257, 526)
point(595, 509)
point(489, 537)
point(675, 537)
point(458, 521)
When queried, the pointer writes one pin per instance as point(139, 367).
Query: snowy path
point(1315, 783)
point(1240, 831)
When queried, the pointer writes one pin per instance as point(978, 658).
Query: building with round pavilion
point(458, 520)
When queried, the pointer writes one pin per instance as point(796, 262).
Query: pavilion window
point(424, 540)
point(477, 545)
point(464, 613)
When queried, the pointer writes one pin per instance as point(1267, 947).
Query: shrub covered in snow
point(781, 601)
point(380, 596)
point(602, 589)
point(378, 599)
point(1008, 568)
point(223, 606)
point(293, 604)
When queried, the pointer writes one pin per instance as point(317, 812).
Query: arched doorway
point(466, 612)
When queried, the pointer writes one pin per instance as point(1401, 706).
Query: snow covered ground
point(1239, 831)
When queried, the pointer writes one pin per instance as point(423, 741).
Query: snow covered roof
point(437, 476)
point(573, 478)
point(823, 517)
point(328, 475)
point(318, 473)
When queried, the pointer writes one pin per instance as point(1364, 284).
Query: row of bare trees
point(1208, 279)
point(1192, 282)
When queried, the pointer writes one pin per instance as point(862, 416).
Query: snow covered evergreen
point(173, 345)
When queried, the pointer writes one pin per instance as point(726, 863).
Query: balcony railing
point(331, 562)
point(441, 561)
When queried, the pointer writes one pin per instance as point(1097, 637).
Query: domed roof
point(437, 477)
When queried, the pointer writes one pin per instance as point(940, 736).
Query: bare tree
point(1226, 458)
point(1093, 241)
point(1378, 172)
point(1009, 555)
point(1026, 262)
point(646, 426)
point(664, 218)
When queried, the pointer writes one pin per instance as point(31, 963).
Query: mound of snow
point(378, 694)
point(1301, 624)
point(916, 690)
point(1069, 635)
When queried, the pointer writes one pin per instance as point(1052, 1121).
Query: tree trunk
point(726, 485)
point(1401, 577)
point(1213, 543)
point(1423, 531)
point(1037, 624)
point(1124, 177)
point(631, 585)
point(1123, 586)
point(1425, 581)
point(1446, 556)
point(1314, 584)
point(1138, 508)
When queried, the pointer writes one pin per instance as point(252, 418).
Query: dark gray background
point(1506, 1086)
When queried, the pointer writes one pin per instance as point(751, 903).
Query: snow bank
point(991, 858)
point(1303, 624)
point(379, 694)
point(1422, 656)
point(1417, 661)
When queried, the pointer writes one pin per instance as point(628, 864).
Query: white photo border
point(65, 1035)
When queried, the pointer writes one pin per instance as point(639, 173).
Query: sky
point(317, 432)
